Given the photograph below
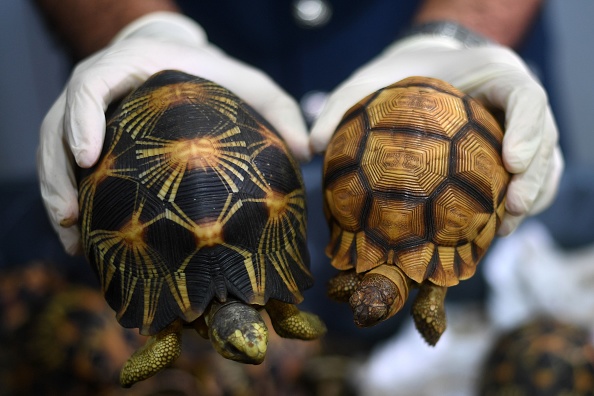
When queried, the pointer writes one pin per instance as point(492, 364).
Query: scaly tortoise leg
point(158, 352)
point(289, 322)
point(342, 286)
point(428, 312)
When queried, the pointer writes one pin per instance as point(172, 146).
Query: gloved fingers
point(526, 186)
point(530, 135)
point(284, 114)
point(509, 224)
point(88, 95)
point(481, 72)
point(526, 106)
point(56, 177)
point(339, 102)
point(70, 238)
point(379, 73)
point(96, 82)
point(324, 126)
point(533, 190)
point(164, 26)
point(551, 182)
point(529, 128)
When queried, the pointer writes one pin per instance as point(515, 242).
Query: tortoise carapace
point(414, 191)
point(195, 215)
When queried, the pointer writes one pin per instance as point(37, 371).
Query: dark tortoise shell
point(195, 196)
point(543, 356)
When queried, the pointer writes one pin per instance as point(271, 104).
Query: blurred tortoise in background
point(541, 357)
point(414, 191)
point(57, 338)
point(195, 216)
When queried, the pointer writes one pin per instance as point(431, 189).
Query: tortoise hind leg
point(289, 322)
point(157, 353)
point(428, 312)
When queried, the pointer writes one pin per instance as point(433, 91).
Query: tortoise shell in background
point(204, 202)
point(543, 356)
point(57, 338)
point(413, 177)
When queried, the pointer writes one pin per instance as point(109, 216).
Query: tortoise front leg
point(343, 285)
point(158, 352)
point(289, 322)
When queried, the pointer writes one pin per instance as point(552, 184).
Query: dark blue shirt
point(265, 34)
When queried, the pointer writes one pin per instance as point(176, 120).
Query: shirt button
point(312, 104)
point(311, 13)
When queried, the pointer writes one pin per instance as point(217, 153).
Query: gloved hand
point(74, 128)
point(492, 74)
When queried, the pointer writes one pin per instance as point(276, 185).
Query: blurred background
point(33, 70)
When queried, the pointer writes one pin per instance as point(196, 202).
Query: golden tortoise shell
point(413, 177)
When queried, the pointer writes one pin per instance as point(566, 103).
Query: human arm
point(503, 21)
point(74, 128)
point(88, 26)
point(490, 72)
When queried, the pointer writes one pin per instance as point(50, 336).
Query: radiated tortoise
point(195, 215)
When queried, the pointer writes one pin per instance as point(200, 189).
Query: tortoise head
point(238, 332)
point(379, 295)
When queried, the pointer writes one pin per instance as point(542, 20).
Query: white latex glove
point(74, 128)
point(492, 74)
